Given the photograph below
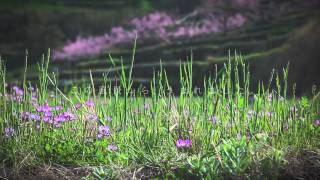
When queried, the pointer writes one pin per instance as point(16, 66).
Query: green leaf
point(100, 155)
point(47, 147)
point(304, 102)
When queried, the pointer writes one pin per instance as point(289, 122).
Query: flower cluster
point(103, 131)
point(112, 147)
point(30, 116)
point(252, 113)
point(91, 117)
point(56, 115)
point(17, 94)
point(213, 119)
point(8, 132)
point(181, 143)
point(49, 114)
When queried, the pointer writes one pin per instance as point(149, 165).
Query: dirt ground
point(305, 166)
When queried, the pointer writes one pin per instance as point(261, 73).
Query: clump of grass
point(224, 131)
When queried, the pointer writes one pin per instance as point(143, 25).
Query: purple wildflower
point(48, 114)
point(103, 131)
point(44, 108)
point(25, 115)
point(108, 118)
point(59, 118)
point(34, 117)
point(112, 147)
point(183, 143)
point(62, 117)
point(90, 103)
point(92, 117)
point(8, 132)
point(34, 98)
point(270, 97)
point(68, 115)
point(146, 106)
point(48, 117)
point(59, 107)
point(213, 119)
point(317, 122)
point(30, 116)
point(16, 98)
point(57, 125)
point(31, 88)
point(190, 129)
point(268, 114)
point(78, 105)
point(17, 90)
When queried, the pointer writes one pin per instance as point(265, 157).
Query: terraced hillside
point(37, 25)
point(255, 42)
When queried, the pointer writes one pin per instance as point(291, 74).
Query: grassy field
point(221, 130)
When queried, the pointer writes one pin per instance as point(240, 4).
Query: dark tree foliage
point(178, 6)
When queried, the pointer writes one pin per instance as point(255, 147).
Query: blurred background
point(81, 34)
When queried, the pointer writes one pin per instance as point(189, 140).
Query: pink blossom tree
point(157, 27)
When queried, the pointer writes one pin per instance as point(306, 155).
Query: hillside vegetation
point(264, 46)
